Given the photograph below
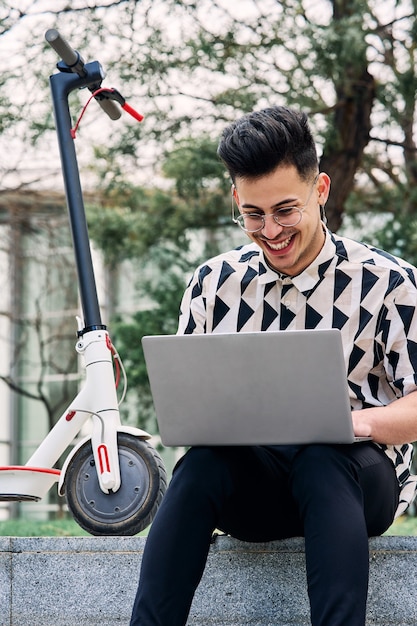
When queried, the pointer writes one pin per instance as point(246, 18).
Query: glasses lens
point(288, 217)
point(250, 223)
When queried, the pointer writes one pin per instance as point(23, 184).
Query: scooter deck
point(20, 483)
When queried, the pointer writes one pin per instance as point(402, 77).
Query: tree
point(161, 292)
point(192, 67)
point(39, 303)
point(164, 234)
point(352, 66)
point(41, 317)
point(349, 133)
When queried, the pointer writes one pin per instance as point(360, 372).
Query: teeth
point(280, 246)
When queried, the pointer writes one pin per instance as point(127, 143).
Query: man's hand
point(393, 424)
point(361, 427)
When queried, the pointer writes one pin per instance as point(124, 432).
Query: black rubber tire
point(133, 506)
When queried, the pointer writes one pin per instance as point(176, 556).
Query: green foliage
point(162, 294)
point(159, 227)
point(405, 525)
point(194, 166)
point(26, 527)
point(39, 528)
point(191, 67)
point(133, 221)
point(397, 236)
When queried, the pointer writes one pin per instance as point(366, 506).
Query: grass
point(69, 528)
point(38, 528)
point(403, 526)
point(46, 528)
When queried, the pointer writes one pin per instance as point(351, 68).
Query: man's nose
point(271, 228)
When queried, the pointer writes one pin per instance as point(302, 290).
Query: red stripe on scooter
point(23, 468)
point(103, 457)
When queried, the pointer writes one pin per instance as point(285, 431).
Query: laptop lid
point(284, 387)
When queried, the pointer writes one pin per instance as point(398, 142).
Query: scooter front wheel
point(133, 506)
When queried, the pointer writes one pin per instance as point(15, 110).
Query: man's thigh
point(331, 470)
point(261, 507)
point(379, 484)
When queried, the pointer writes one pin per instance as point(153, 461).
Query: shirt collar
point(309, 277)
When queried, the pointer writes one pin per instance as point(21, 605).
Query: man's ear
point(323, 187)
point(235, 195)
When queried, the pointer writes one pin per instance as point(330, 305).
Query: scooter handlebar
point(71, 57)
point(75, 63)
point(110, 107)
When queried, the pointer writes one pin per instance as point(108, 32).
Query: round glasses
point(287, 216)
point(252, 222)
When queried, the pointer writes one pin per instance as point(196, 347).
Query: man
point(294, 274)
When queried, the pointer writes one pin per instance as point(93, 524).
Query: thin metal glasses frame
point(239, 220)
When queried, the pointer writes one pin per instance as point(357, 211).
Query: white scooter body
point(97, 401)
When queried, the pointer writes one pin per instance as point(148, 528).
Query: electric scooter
point(113, 479)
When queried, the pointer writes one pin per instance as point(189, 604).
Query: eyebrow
point(289, 202)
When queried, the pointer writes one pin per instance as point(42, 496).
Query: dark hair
point(257, 143)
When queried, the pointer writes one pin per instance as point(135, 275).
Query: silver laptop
point(285, 387)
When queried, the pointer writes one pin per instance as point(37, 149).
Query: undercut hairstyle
point(259, 142)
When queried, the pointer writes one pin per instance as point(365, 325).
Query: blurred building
point(40, 372)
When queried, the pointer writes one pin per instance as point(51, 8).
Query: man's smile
point(279, 246)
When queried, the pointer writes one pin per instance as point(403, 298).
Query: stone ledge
point(91, 581)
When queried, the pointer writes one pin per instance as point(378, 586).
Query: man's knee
point(319, 458)
point(321, 469)
point(347, 478)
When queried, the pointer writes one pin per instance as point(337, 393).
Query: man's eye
point(286, 211)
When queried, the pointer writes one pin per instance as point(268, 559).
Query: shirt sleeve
point(399, 332)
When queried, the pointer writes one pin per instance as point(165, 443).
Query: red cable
point(116, 361)
point(117, 367)
point(74, 130)
point(125, 106)
point(93, 95)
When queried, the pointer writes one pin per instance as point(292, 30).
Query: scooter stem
point(61, 86)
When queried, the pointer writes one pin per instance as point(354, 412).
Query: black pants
point(333, 495)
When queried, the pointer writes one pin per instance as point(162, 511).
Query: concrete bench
point(91, 581)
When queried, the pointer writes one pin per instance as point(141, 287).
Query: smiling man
point(289, 231)
point(294, 274)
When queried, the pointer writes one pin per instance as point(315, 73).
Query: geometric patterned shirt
point(368, 294)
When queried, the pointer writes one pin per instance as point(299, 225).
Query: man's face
point(288, 249)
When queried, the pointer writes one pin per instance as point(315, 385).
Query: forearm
point(395, 423)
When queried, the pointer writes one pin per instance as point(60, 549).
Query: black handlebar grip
point(110, 107)
point(71, 57)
